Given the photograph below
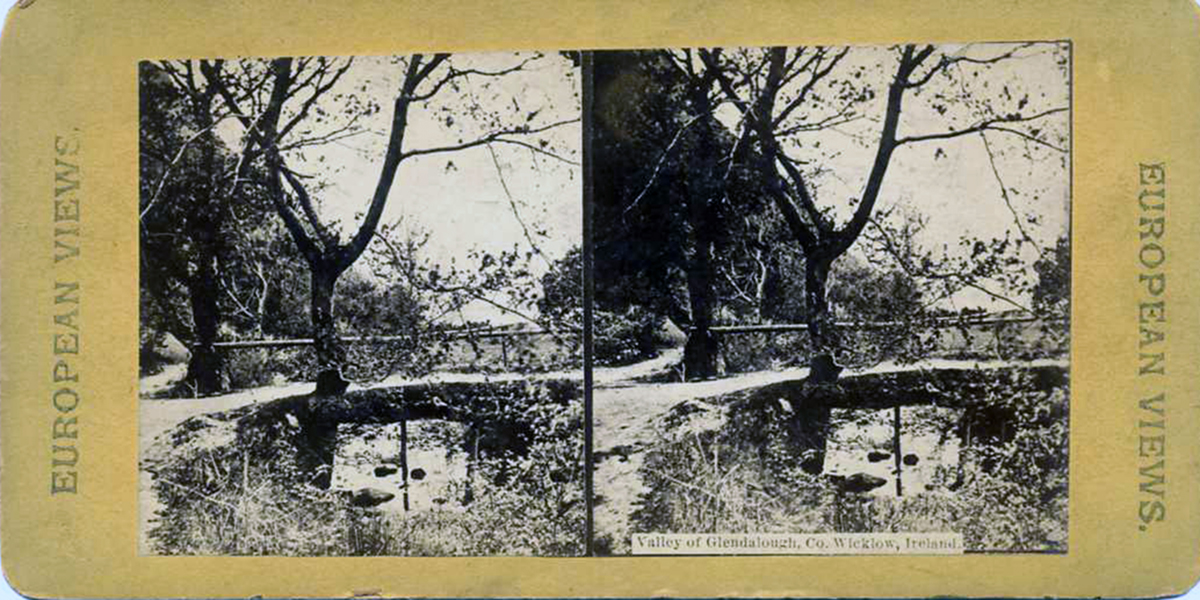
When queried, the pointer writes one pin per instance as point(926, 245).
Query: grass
point(1011, 494)
point(225, 490)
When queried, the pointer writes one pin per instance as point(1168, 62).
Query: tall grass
point(1011, 491)
point(222, 494)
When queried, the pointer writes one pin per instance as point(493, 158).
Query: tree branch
point(413, 77)
point(167, 171)
point(1004, 193)
point(947, 61)
point(981, 126)
point(512, 203)
point(453, 73)
point(964, 279)
point(328, 242)
point(910, 59)
point(817, 75)
point(662, 159)
point(493, 137)
point(318, 91)
point(776, 188)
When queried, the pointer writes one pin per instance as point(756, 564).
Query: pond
point(422, 464)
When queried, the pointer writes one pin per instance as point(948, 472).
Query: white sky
point(951, 182)
point(458, 197)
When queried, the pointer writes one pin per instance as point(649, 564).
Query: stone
point(385, 470)
point(877, 456)
point(670, 335)
point(171, 349)
point(910, 459)
point(859, 483)
point(331, 383)
point(823, 369)
point(368, 497)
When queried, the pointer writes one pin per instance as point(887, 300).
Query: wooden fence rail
point(384, 339)
point(867, 325)
point(720, 329)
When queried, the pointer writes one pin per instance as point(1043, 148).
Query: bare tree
point(783, 94)
point(297, 88)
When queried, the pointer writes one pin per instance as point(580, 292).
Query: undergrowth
point(1010, 493)
point(222, 493)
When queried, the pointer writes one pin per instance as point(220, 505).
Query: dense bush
point(903, 343)
point(628, 337)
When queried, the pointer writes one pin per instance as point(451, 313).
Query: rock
point(670, 335)
point(385, 470)
point(172, 350)
point(823, 369)
point(859, 483)
point(692, 417)
point(331, 383)
point(877, 456)
point(368, 497)
point(910, 459)
point(416, 474)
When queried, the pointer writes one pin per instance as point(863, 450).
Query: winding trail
point(626, 414)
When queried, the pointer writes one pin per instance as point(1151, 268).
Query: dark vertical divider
point(588, 291)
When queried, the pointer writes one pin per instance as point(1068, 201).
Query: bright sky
point(460, 197)
point(464, 199)
point(951, 182)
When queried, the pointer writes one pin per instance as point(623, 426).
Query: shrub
point(257, 367)
point(626, 338)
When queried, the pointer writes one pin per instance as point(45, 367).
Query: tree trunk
point(701, 354)
point(820, 322)
point(330, 354)
point(810, 423)
point(206, 367)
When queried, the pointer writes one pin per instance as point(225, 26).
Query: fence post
point(896, 446)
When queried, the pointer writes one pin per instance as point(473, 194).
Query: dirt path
point(626, 415)
point(157, 416)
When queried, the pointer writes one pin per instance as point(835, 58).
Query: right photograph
point(832, 294)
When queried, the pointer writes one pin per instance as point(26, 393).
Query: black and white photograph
point(361, 306)
point(832, 292)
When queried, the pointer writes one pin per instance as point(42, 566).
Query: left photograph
point(361, 306)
